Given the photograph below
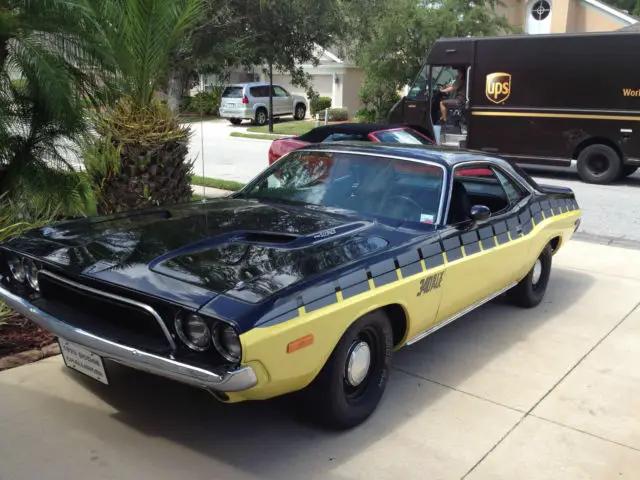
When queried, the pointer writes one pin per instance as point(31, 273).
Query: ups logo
point(498, 87)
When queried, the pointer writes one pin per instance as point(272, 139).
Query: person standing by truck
point(457, 98)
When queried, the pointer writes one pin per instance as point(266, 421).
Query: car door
point(416, 103)
point(282, 101)
point(482, 258)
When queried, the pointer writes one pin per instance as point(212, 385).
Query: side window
point(514, 192)
point(475, 185)
point(280, 92)
point(418, 90)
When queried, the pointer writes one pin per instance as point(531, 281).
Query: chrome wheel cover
point(358, 363)
point(537, 272)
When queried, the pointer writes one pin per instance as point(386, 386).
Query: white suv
point(250, 101)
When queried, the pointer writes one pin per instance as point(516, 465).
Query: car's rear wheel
point(599, 164)
point(530, 291)
point(350, 385)
point(235, 121)
point(300, 112)
point(261, 117)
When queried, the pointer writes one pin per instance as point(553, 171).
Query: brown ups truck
point(545, 100)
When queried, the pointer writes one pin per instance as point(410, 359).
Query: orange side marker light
point(300, 343)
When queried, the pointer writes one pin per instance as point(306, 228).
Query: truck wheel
point(599, 164)
point(530, 290)
point(350, 385)
point(628, 170)
point(261, 117)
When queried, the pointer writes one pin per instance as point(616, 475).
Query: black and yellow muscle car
point(305, 281)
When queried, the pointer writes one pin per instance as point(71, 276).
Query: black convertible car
point(305, 281)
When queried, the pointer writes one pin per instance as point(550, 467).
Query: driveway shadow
point(266, 439)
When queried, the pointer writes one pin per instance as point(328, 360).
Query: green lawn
point(194, 118)
point(216, 183)
point(259, 136)
point(286, 128)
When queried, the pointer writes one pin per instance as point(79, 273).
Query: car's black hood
point(190, 253)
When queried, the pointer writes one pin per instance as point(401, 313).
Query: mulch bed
point(22, 341)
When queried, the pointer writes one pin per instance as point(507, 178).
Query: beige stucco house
point(564, 16)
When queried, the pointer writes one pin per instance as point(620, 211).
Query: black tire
point(628, 170)
point(331, 400)
point(262, 117)
point(235, 121)
point(599, 164)
point(527, 293)
point(300, 112)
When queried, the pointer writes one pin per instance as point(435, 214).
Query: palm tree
point(139, 157)
point(51, 64)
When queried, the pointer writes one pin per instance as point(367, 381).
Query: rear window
point(232, 92)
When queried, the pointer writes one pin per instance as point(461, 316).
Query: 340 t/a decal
point(430, 283)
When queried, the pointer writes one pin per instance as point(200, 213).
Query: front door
point(416, 103)
point(282, 102)
point(483, 258)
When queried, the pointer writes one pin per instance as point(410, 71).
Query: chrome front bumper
point(231, 381)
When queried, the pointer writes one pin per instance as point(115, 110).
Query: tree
point(139, 157)
point(283, 34)
point(631, 6)
point(51, 67)
point(390, 41)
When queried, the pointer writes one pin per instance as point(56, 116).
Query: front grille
point(106, 317)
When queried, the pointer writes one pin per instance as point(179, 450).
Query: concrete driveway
point(504, 393)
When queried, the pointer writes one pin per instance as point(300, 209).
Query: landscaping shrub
point(185, 104)
point(318, 104)
point(338, 114)
point(206, 103)
point(365, 115)
point(335, 115)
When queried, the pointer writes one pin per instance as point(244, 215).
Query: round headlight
point(194, 332)
point(31, 273)
point(16, 267)
point(227, 342)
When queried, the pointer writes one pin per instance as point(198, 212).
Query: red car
point(363, 132)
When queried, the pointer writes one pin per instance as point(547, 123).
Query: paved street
point(547, 393)
point(611, 211)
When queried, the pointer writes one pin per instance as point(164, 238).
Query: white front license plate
point(82, 360)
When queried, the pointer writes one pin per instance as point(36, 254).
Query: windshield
point(391, 188)
point(402, 136)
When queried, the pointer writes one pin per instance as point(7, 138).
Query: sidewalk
point(504, 393)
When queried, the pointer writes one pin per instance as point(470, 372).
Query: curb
point(30, 356)
point(608, 241)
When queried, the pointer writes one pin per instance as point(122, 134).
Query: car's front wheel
point(350, 385)
point(530, 291)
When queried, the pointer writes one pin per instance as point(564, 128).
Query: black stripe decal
point(500, 227)
point(356, 289)
point(537, 217)
point(429, 249)
point(385, 279)
point(318, 292)
point(486, 232)
point(488, 243)
point(434, 261)
point(321, 303)
point(455, 254)
point(472, 248)
point(353, 278)
point(451, 243)
point(408, 258)
point(502, 238)
point(412, 269)
point(469, 237)
point(382, 267)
